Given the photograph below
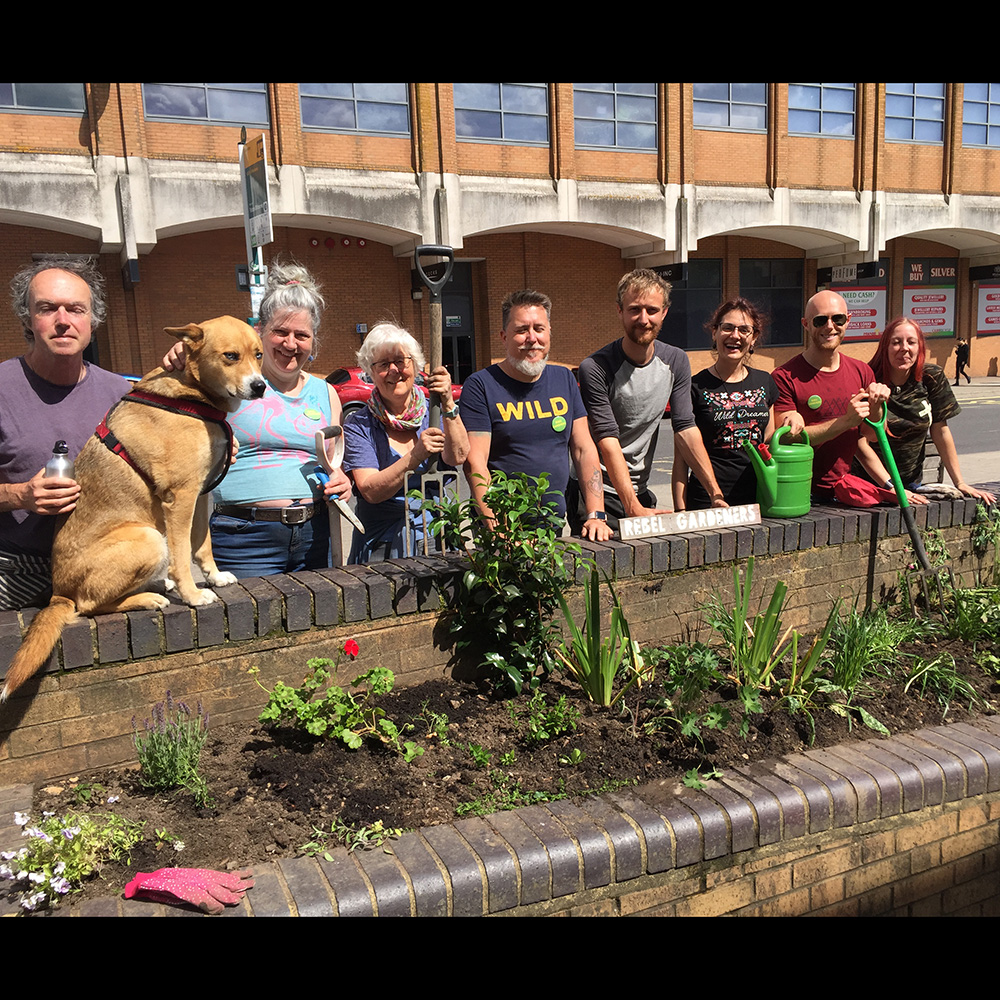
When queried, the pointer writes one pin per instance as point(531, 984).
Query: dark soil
point(273, 788)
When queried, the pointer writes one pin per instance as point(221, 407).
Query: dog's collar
point(192, 407)
point(189, 407)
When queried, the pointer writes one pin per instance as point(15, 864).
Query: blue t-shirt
point(530, 422)
point(367, 446)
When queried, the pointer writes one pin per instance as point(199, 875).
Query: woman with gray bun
point(270, 515)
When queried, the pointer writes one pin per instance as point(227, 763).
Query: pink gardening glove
point(202, 887)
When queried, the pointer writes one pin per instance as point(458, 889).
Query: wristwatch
point(597, 515)
point(451, 414)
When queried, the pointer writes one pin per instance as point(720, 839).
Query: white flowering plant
point(61, 852)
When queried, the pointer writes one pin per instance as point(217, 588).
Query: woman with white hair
point(390, 444)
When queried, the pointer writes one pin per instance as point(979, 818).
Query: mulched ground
point(273, 788)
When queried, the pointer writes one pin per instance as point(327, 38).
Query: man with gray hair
point(48, 394)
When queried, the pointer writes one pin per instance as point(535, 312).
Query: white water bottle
point(60, 464)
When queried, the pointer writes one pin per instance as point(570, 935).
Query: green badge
point(558, 424)
point(313, 414)
point(814, 402)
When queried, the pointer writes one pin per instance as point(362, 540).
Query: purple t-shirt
point(34, 414)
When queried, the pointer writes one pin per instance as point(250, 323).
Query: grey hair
point(82, 267)
point(384, 335)
point(291, 288)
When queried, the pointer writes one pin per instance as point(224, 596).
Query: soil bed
point(272, 788)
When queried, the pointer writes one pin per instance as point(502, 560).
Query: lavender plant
point(169, 749)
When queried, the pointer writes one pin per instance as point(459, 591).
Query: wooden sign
point(689, 520)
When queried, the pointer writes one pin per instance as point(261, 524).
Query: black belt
point(294, 514)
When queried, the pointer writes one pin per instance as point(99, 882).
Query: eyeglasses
point(838, 319)
point(402, 365)
point(730, 327)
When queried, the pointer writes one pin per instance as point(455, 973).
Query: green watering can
point(784, 478)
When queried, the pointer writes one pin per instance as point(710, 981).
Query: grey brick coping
point(477, 867)
point(297, 602)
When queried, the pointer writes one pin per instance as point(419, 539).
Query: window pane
point(478, 124)
point(928, 131)
point(394, 93)
point(526, 128)
point(899, 107)
point(327, 114)
point(637, 136)
point(801, 97)
point(803, 121)
point(838, 100)
point(590, 133)
point(327, 89)
point(7, 94)
point(977, 91)
point(381, 117)
point(716, 115)
point(748, 116)
point(837, 124)
point(974, 113)
point(898, 128)
point(525, 99)
point(899, 88)
point(175, 102)
point(234, 106)
point(750, 93)
point(929, 89)
point(711, 91)
point(636, 109)
point(53, 96)
point(594, 105)
point(637, 88)
point(478, 96)
point(974, 135)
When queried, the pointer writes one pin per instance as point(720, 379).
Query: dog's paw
point(169, 584)
point(221, 579)
point(157, 602)
point(205, 596)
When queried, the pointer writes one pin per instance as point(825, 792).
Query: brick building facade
point(762, 189)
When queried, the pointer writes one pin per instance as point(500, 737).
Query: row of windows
point(606, 115)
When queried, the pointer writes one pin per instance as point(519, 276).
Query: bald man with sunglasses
point(828, 393)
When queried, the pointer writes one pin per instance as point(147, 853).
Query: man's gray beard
point(533, 369)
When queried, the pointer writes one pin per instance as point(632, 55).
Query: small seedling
point(479, 755)
point(354, 838)
point(546, 722)
point(695, 779)
point(572, 758)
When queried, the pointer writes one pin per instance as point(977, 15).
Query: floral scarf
point(409, 420)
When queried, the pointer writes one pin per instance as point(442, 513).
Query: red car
point(354, 387)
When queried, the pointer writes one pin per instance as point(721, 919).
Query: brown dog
point(141, 479)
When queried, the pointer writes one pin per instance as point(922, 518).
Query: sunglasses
point(838, 319)
point(730, 327)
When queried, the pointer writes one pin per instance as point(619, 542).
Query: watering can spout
point(766, 471)
point(784, 475)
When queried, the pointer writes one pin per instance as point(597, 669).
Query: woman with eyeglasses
point(921, 402)
point(390, 444)
point(733, 402)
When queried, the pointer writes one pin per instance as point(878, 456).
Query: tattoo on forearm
point(595, 484)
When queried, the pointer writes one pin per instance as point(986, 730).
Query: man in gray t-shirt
point(626, 387)
point(48, 394)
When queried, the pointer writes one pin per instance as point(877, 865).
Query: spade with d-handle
point(335, 506)
point(928, 581)
point(434, 282)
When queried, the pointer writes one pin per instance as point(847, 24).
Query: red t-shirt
point(821, 396)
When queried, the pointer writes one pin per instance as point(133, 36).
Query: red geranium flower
point(351, 648)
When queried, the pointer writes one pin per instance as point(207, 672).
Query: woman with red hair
point(921, 400)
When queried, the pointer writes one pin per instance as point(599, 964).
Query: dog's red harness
point(190, 407)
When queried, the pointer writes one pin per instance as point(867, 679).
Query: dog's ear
point(192, 335)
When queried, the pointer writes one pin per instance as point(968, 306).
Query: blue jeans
point(260, 548)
